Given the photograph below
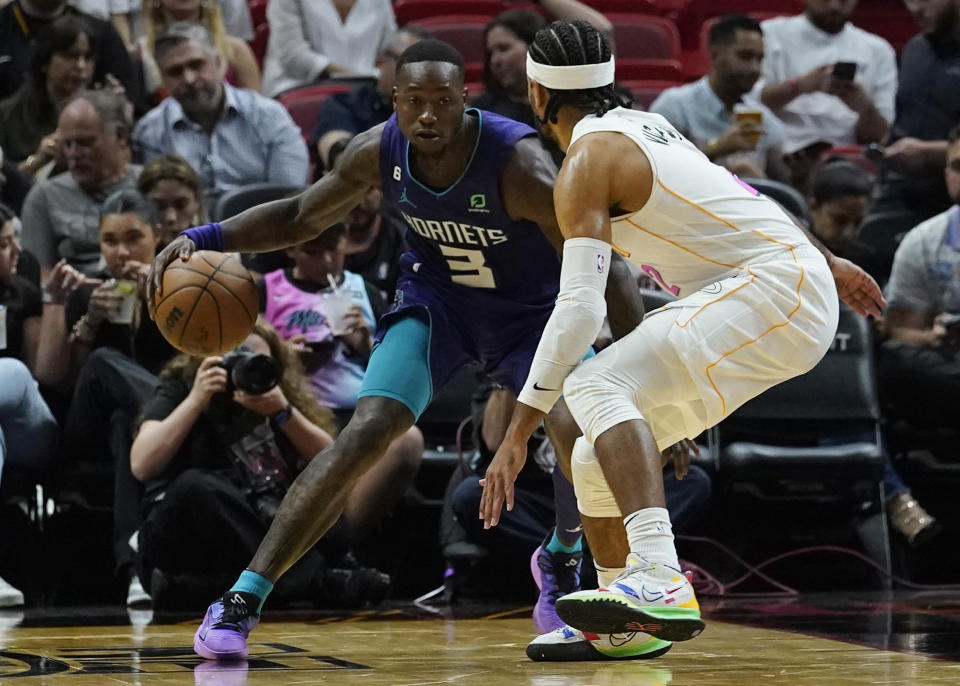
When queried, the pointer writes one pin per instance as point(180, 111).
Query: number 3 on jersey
point(467, 267)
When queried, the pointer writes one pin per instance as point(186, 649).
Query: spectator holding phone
point(919, 366)
point(829, 81)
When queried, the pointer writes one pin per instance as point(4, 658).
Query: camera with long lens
point(250, 372)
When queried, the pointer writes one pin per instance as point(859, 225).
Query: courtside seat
point(464, 32)
point(788, 196)
point(634, 69)
point(810, 449)
point(303, 104)
point(644, 36)
point(414, 10)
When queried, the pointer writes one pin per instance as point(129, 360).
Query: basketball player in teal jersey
point(478, 284)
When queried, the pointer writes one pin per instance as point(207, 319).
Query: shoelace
point(234, 613)
point(567, 577)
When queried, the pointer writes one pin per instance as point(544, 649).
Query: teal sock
point(557, 546)
point(251, 582)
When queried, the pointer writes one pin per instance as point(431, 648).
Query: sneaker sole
point(610, 615)
point(535, 568)
point(585, 652)
point(208, 654)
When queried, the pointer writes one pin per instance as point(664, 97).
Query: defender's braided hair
point(566, 43)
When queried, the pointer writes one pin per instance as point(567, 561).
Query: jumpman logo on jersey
point(404, 198)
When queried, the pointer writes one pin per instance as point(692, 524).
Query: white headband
point(569, 78)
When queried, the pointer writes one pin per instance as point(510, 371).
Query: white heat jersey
point(701, 224)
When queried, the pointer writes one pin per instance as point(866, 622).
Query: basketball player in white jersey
point(757, 304)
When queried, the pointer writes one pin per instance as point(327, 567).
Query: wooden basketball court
point(827, 639)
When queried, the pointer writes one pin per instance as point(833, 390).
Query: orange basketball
point(208, 304)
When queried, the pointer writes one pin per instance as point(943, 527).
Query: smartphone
point(873, 152)
point(845, 71)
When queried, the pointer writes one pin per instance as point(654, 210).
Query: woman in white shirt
point(315, 39)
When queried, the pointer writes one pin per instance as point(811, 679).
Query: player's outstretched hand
point(498, 481)
point(857, 288)
point(181, 247)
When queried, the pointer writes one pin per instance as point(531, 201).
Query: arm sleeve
point(297, 57)
point(287, 158)
point(574, 323)
point(38, 236)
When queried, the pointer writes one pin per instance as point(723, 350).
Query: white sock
point(606, 575)
point(651, 536)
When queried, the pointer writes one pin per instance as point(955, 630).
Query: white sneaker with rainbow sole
point(647, 597)
point(567, 644)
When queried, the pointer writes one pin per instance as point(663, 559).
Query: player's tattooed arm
point(528, 182)
point(286, 222)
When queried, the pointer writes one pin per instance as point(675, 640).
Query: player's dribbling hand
point(181, 247)
point(209, 380)
point(498, 481)
point(857, 288)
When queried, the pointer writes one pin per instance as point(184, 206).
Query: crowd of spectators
point(124, 123)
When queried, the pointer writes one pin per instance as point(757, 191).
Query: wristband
point(206, 237)
point(283, 415)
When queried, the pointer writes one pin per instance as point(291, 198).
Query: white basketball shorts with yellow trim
point(696, 360)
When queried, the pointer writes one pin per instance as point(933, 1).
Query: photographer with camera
point(217, 447)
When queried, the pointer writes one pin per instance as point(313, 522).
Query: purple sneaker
point(228, 622)
point(556, 574)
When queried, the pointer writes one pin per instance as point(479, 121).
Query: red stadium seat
point(464, 32)
point(629, 69)
point(473, 72)
point(645, 92)
point(853, 153)
point(886, 18)
point(645, 36)
point(304, 103)
point(414, 10)
point(474, 89)
point(666, 8)
point(261, 35)
point(258, 11)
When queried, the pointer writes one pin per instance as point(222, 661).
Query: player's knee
point(590, 394)
point(375, 424)
point(594, 497)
